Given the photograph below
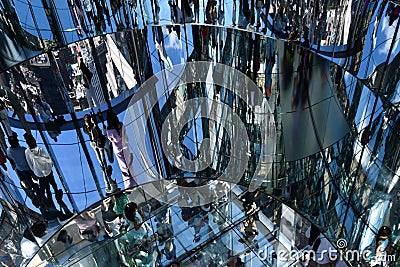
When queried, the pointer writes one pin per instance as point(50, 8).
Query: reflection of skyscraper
point(49, 87)
point(95, 79)
point(66, 58)
point(54, 21)
point(108, 69)
point(96, 82)
point(17, 44)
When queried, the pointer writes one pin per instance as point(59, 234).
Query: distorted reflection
point(309, 133)
point(46, 24)
point(148, 232)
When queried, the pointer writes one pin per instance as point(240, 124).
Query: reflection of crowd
point(302, 80)
point(249, 229)
point(135, 245)
point(24, 97)
point(91, 16)
point(34, 166)
point(143, 233)
point(115, 134)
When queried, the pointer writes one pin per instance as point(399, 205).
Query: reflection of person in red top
point(211, 12)
point(394, 15)
point(196, 6)
point(234, 261)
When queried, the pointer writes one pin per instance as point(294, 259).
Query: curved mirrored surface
point(242, 227)
point(338, 29)
point(322, 138)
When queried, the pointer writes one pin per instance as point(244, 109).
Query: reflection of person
point(196, 6)
point(41, 165)
point(4, 119)
point(76, 17)
point(176, 16)
point(380, 251)
point(64, 237)
point(43, 109)
point(16, 155)
point(281, 22)
point(89, 227)
point(111, 184)
point(302, 80)
point(88, 9)
point(319, 245)
point(30, 243)
point(137, 224)
point(15, 103)
point(87, 83)
point(90, 96)
point(41, 233)
point(211, 12)
point(249, 229)
point(116, 134)
point(97, 139)
point(46, 115)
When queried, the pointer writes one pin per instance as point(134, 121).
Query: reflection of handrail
point(101, 243)
point(110, 240)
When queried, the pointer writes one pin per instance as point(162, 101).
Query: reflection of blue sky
point(74, 167)
point(27, 22)
point(350, 82)
point(341, 208)
point(365, 108)
point(73, 162)
point(378, 44)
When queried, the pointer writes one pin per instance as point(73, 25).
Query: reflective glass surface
point(198, 236)
point(311, 116)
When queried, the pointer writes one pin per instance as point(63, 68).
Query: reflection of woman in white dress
point(117, 136)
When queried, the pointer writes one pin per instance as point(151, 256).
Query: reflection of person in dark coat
point(15, 103)
point(87, 83)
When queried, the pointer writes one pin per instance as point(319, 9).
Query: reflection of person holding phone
point(379, 253)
